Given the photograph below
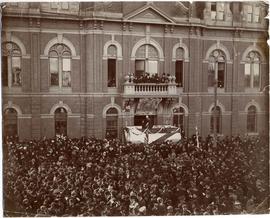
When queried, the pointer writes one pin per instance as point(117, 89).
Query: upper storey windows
point(59, 5)
point(217, 10)
point(251, 13)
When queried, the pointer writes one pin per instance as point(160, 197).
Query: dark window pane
point(112, 110)
point(178, 120)
point(179, 73)
point(54, 71)
point(221, 70)
point(4, 70)
point(111, 72)
point(139, 120)
point(218, 117)
point(213, 6)
point(139, 68)
point(251, 119)
point(60, 117)
point(111, 127)
point(10, 122)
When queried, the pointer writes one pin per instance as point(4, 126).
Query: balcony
point(132, 89)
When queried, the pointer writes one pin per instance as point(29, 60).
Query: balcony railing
point(153, 89)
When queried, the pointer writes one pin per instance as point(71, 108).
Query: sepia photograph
point(135, 108)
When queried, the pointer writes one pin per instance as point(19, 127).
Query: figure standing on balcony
point(163, 78)
point(146, 123)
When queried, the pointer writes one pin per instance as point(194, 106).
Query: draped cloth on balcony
point(148, 106)
point(157, 134)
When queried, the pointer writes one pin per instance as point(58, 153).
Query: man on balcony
point(146, 123)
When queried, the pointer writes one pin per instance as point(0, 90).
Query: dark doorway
point(140, 119)
point(60, 117)
point(10, 122)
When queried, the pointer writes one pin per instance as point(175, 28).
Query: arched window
point(146, 60)
point(251, 119)
point(60, 65)
point(252, 70)
point(111, 123)
point(112, 55)
point(11, 65)
point(60, 119)
point(10, 122)
point(217, 123)
point(179, 66)
point(217, 62)
point(178, 117)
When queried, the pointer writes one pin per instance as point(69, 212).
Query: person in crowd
point(93, 177)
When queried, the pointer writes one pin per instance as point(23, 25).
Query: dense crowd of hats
point(91, 177)
point(149, 78)
point(154, 78)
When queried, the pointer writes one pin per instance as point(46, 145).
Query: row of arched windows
point(147, 59)
point(60, 119)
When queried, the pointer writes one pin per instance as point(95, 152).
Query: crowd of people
point(92, 177)
point(150, 78)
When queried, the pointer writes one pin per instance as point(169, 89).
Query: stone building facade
point(69, 68)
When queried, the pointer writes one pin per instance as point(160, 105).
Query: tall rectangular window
point(213, 10)
point(152, 67)
point(247, 75)
point(221, 72)
point(256, 75)
point(66, 78)
point(16, 71)
point(139, 67)
point(54, 71)
point(111, 72)
point(179, 73)
point(4, 71)
point(256, 15)
point(249, 13)
point(220, 11)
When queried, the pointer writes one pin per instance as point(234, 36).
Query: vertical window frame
point(8, 122)
point(218, 120)
point(179, 114)
point(250, 60)
point(112, 57)
point(57, 121)
point(60, 55)
point(147, 58)
point(216, 58)
point(252, 117)
point(11, 50)
point(111, 71)
point(112, 117)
